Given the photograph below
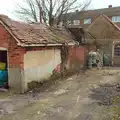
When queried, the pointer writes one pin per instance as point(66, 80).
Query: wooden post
point(113, 53)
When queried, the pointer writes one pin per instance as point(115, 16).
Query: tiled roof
point(27, 34)
point(114, 11)
point(103, 28)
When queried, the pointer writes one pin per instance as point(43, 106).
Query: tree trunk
point(64, 59)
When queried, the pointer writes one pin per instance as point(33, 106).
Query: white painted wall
point(40, 64)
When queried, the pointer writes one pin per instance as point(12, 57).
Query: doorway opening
point(3, 69)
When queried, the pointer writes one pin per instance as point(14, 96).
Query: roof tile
point(36, 33)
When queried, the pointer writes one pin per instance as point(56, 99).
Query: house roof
point(35, 34)
point(103, 28)
point(81, 35)
point(114, 11)
point(107, 18)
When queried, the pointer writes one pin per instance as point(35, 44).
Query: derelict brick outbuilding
point(32, 51)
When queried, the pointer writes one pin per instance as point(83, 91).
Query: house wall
point(103, 29)
point(105, 33)
point(116, 59)
point(90, 47)
point(39, 65)
point(16, 68)
point(107, 49)
point(93, 18)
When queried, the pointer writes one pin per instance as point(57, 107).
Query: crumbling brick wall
point(15, 54)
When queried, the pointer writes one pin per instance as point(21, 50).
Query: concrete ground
point(82, 97)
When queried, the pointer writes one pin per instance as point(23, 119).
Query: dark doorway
point(3, 69)
point(3, 57)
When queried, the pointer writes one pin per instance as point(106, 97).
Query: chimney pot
point(110, 6)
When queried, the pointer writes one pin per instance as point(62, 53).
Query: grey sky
point(105, 3)
point(7, 6)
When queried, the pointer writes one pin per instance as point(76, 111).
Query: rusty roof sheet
point(36, 33)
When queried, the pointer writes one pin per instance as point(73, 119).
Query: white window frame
point(87, 21)
point(76, 22)
point(115, 18)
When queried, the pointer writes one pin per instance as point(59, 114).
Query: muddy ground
point(94, 95)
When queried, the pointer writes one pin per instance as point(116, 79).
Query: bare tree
point(48, 10)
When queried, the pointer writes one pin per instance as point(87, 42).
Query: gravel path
point(82, 97)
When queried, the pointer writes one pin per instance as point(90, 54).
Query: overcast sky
point(7, 6)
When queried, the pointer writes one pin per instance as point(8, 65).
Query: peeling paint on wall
point(39, 65)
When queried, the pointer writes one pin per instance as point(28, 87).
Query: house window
point(76, 22)
point(87, 21)
point(117, 50)
point(116, 19)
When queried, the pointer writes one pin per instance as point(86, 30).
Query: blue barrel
point(3, 77)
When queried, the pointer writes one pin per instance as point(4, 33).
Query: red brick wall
point(4, 36)
point(15, 53)
point(76, 56)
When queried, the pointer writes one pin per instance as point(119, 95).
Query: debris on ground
point(60, 92)
point(3, 90)
point(75, 98)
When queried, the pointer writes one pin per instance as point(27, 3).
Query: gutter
point(43, 45)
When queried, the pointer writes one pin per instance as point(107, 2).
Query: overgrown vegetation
point(115, 108)
point(44, 82)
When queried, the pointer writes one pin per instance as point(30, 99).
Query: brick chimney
point(110, 6)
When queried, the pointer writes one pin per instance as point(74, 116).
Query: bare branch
point(49, 9)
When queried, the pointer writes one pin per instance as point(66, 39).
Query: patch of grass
point(116, 100)
point(115, 108)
